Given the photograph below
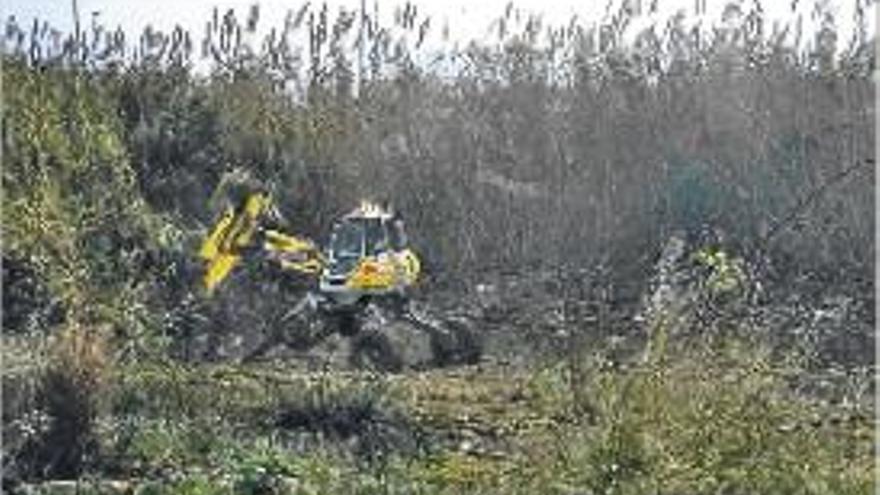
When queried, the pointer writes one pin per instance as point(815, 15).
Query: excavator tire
point(372, 350)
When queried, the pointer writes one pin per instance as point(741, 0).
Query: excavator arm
point(240, 232)
point(293, 253)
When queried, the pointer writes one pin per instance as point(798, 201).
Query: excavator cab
point(367, 256)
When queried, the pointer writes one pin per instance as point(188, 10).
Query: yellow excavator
point(366, 269)
point(367, 259)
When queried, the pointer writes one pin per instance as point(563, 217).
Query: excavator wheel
point(372, 350)
point(347, 323)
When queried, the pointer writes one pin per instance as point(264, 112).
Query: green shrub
point(714, 420)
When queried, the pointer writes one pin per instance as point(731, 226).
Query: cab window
point(397, 235)
point(346, 239)
point(376, 237)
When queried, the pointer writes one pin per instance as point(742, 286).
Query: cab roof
point(368, 209)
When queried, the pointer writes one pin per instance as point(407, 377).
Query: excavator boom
point(239, 230)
